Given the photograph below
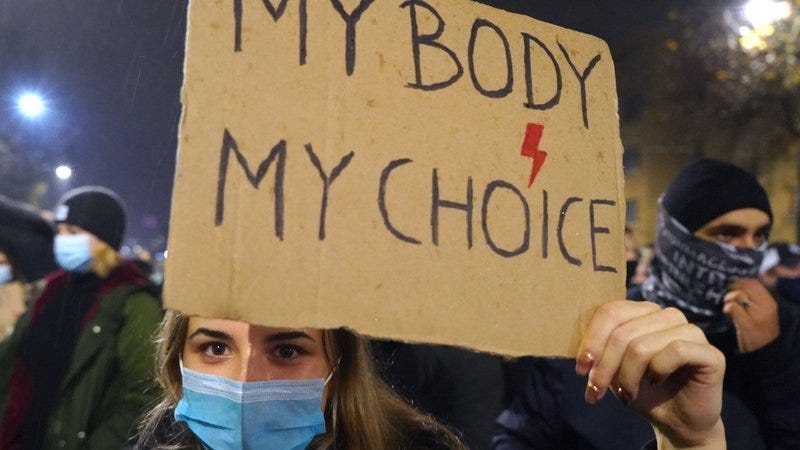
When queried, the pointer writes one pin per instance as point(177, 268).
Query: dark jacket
point(108, 380)
point(460, 388)
point(760, 403)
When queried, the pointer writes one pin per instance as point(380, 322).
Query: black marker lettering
point(327, 181)
point(560, 231)
point(526, 237)
point(596, 230)
point(437, 203)
point(382, 201)
point(545, 224)
point(582, 80)
point(430, 40)
point(279, 152)
point(505, 90)
point(276, 12)
point(350, 34)
point(527, 39)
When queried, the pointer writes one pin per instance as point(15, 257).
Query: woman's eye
point(287, 352)
point(215, 349)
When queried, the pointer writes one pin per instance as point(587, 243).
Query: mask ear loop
point(333, 371)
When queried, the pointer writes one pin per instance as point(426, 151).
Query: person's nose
point(746, 241)
point(256, 367)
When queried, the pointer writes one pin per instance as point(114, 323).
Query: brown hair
point(362, 412)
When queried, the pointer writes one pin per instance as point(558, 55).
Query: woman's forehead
point(238, 326)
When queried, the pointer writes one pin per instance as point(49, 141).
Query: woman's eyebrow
point(216, 334)
point(289, 335)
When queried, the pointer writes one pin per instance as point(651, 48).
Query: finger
point(755, 291)
point(607, 317)
point(740, 297)
point(739, 315)
point(640, 352)
point(608, 364)
point(691, 374)
point(707, 361)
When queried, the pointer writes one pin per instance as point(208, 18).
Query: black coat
point(460, 388)
point(761, 402)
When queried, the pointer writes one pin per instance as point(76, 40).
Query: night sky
point(110, 71)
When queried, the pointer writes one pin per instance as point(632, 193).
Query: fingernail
point(583, 364)
point(624, 396)
point(592, 393)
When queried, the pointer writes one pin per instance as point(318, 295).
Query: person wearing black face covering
point(713, 224)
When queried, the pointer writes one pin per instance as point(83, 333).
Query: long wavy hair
point(362, 412)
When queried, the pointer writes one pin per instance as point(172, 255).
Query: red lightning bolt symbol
point(530, 148)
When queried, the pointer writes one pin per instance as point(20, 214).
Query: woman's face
point(244, 352)
point(70, 229)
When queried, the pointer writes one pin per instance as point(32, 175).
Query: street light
point(31, 105)
point(762, 15)
point(766, 12)
point(63, 172)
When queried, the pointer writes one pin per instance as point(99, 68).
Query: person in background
point(12, 289)
point(713, 224)
point(780, 271)
point(76, 371)
point(26, 256)
point(230, 385)
point(642, 270)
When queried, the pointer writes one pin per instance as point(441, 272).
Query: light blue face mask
point(73, 252)
point(5, 274)
point(226, 414)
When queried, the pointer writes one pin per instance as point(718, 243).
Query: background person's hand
point(754, 314)
point(661, 366)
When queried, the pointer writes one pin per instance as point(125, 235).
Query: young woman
point(230, 384)
point(335, 374)
point(75, 372)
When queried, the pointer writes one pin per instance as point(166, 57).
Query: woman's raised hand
point(653, 360)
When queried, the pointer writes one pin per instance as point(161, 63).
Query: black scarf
point(693, 274)
point(47, 350)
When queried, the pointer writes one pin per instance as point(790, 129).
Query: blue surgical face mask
point(5, 274)
point(226, 414)
point(73, 252)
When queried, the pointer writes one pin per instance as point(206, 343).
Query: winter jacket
point(760, 402)
point(460, 388)
point(108, 382)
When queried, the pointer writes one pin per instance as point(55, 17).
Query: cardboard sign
point(436, 171)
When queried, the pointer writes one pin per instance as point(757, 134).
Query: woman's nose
point(256, 368)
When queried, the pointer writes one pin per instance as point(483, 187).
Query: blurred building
point(667, 121)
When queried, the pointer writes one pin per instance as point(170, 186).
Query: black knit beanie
point(707, 189)
point(97, 210)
